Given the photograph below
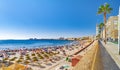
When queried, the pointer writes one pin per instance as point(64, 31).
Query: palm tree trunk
point(105, 26)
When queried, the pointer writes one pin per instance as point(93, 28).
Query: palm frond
point(109, 10)
point(100, 9)
point(101, 25)
point(104, 9)
point(106, 5)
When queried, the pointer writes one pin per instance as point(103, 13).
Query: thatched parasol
point(17, 66)
point(5, 68)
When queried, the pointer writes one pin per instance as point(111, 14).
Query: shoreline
point(36, 45)
point(61, 53)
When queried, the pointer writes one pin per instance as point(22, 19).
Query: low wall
point(91, 60)
point(83, 48)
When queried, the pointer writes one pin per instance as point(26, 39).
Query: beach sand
point(62, 61)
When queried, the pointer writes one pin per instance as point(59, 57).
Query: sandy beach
point(52, 59)
point(64, 62)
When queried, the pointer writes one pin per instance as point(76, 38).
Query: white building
point(112, 28)
point(97, 29)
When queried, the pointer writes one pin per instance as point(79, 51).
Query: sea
point(34, 43)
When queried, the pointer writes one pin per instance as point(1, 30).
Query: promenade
point(112, 55)
point(100, 57)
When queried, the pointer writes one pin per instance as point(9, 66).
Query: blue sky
point(21, 19)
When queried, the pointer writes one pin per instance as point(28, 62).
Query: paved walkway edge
point(114, 57)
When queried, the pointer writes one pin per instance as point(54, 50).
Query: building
point(103, 33)
point(61, 38)
point(97, 29)
point(112, 28)
point(73, 38)
point(70, 39)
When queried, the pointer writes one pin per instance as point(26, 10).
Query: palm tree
point(104, 9)
point(101, 25)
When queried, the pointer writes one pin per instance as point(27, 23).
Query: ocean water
point(35, 43)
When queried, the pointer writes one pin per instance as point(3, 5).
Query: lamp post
point(119, 31)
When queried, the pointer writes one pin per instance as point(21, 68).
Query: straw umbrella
point(5, 68)
point(40, 56)
point(33, 54)
point(26, 63)
point(17, 66)
point(13, 59)
point(35, 59)
point(19, 61)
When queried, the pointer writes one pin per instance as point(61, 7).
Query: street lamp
point(119, 31)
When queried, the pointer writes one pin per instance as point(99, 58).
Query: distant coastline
point(33, 43)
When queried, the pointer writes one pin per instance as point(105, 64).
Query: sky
point(23, 19)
